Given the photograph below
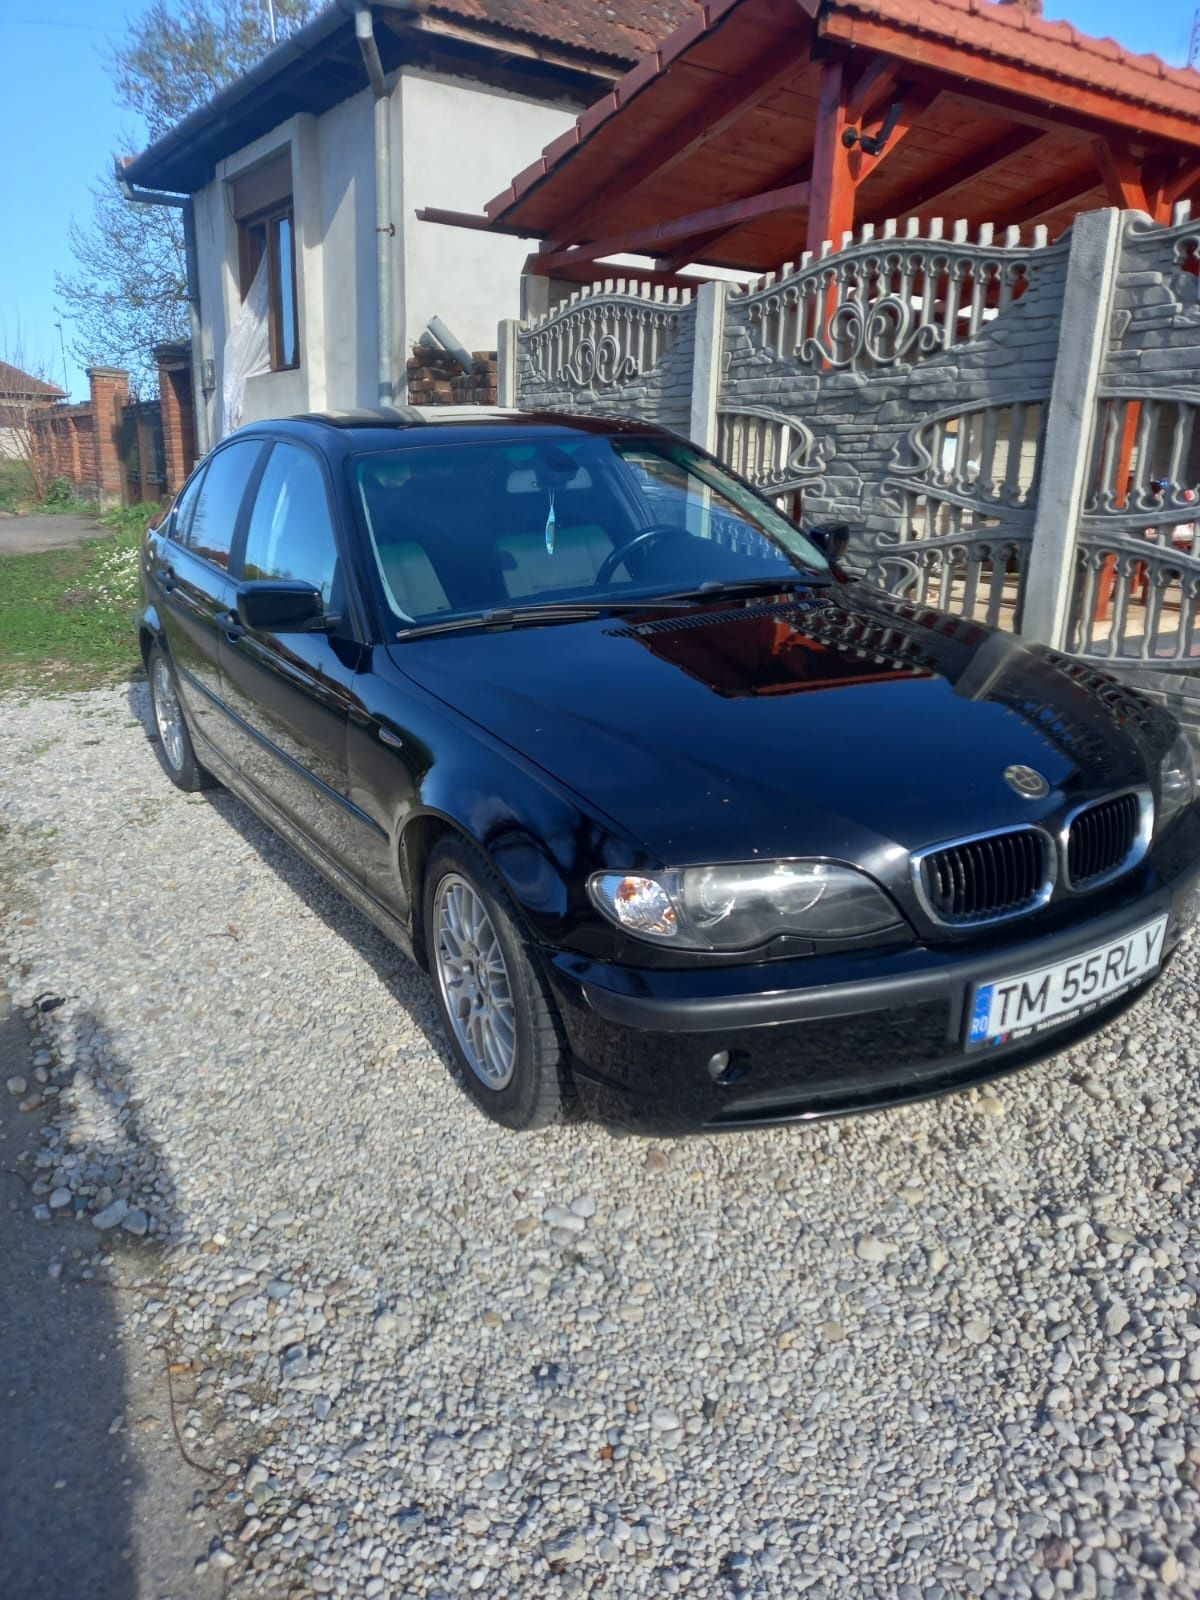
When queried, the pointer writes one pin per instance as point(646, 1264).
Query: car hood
point(844, 724)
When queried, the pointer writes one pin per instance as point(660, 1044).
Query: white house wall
point(454, 145)
point(462, 144)
point(345, 184)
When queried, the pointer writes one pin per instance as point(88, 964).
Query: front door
point(190, 563)
point(292, 694)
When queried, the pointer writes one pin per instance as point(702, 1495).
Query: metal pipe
point(385, 231)
point(450, 344)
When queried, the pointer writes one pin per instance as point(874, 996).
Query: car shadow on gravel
point(409, 987)
point(63, 1384)
point(94, 1491)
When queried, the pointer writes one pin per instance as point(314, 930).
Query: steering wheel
point(657, 530)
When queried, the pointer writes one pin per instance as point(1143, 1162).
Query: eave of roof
point(18, 385)
point(320, 65)
point(618, 32)
point(1049, 58)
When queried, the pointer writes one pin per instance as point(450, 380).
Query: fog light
point(717, 1063)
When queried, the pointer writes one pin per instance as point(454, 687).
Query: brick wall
point(64, 441)
point(436, 379)
point(178, 411)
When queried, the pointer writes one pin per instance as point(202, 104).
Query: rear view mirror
point(833, 538)
point(280, 606)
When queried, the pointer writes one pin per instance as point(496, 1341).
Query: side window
point(214, 521)
point(291, 531)
point(181, 512)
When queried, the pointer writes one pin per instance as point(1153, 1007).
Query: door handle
point(166, 578)
point(229, 625)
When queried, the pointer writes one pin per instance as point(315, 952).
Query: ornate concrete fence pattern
point(1009, 428)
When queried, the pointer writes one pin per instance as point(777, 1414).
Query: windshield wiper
point(721, 588)
point(552, 611)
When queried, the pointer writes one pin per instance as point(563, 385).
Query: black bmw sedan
point(686, 825)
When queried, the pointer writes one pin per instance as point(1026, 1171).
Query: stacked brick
point(64, 440)
point(436, 379)
point(178, 411)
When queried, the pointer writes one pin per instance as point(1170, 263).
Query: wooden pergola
point(761, 128)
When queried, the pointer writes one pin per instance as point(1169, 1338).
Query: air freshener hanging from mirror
point(550, 526)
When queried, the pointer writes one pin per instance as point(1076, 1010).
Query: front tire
point(175, 748)
point(506, 1038)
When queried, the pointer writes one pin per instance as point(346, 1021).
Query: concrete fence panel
point(1009, 427)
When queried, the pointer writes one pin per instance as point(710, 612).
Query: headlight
point(1176, 780)
point(738, 907)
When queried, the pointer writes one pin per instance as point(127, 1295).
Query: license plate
point(1049, 997)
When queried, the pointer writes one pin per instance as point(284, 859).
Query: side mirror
point(280, 606)
point(833, 539)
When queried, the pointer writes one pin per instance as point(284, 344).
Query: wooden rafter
point(971, 169)
point(913, 103)
point(1124, 178)
point(1051, 200)
point(982, 71)
point(693, 250)
point(706, 123)
point(1185, 178)
point(875, 88)
point(663, 235)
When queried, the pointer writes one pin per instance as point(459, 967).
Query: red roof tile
point(620, 30)
point(24, 386)
point(1055, 48)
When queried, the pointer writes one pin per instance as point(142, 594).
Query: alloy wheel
point(474, 981)
point(168, 715)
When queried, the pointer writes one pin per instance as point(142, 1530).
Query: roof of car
point(393, 427)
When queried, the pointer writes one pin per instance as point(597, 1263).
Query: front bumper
point(822, 1036)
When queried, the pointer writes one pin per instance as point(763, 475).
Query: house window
point(262, 205)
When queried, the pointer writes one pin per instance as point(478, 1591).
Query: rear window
point(219, 501)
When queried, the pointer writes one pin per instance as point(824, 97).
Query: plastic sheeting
point(247, 349)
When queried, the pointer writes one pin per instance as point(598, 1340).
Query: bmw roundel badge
point(1030, 785)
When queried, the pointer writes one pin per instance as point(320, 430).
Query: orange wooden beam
point(662, 235)
point(1123, 177)
point(874, 89)
point(959, 61)
point(971, 169)
point(1186, 177)
point(914, 103)
point(831, 207)
point(1049, 200)
point(709, 120)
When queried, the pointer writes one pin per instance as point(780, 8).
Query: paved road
point(21, 536)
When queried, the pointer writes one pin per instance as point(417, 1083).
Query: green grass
point(67, 616)
point(16, 485)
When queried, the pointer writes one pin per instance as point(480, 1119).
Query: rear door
point(292, 693)
point(191, 571)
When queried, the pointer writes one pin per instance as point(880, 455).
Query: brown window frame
point(258, 234)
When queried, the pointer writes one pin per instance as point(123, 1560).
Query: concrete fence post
point(1066, 452)
point(506, 363)
point(706, 363)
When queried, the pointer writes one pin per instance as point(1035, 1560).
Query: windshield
point(458, 529)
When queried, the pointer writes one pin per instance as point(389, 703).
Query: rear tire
point(506, 1038)
point(175, 749)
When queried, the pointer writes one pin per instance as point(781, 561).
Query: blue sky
point(59, 128)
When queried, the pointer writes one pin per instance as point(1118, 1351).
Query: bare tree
point(28, 397)
point(128, 291)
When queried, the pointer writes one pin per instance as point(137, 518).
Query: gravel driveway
point(944, 1351)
